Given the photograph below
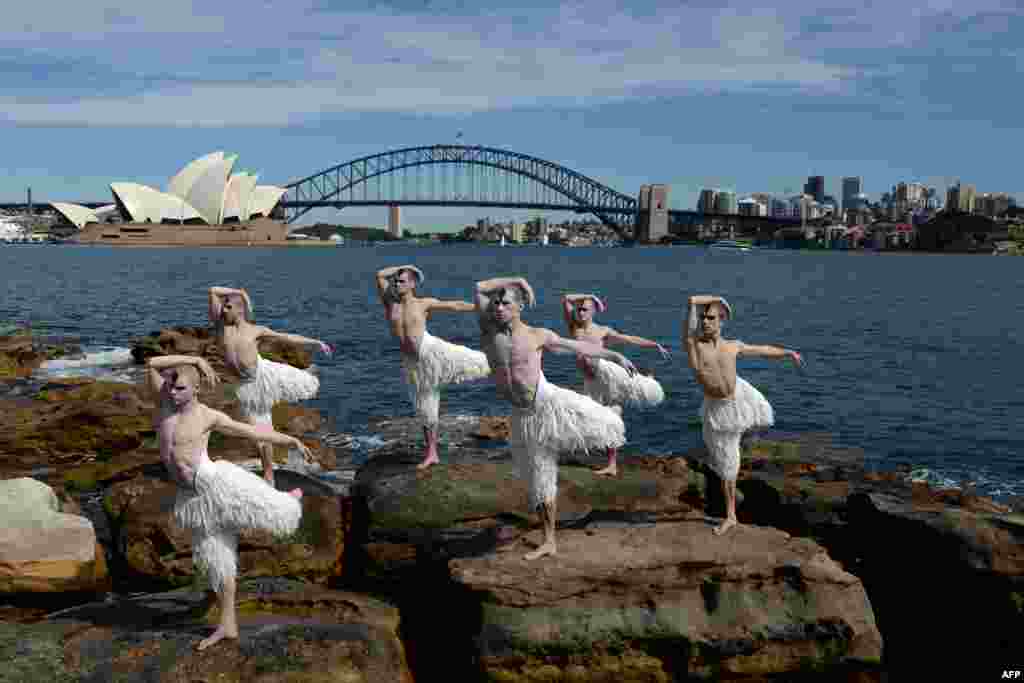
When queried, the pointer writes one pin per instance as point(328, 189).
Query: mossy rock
point(445, 496)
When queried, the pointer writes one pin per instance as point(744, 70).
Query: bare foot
point(218, 635)
point(431, 459)
point(545, 549)
point(610, 471)
point(295, 492)
point(725, 526)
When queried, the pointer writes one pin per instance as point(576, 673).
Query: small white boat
point(730, 245)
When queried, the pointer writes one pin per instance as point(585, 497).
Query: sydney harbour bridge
point(489, 177)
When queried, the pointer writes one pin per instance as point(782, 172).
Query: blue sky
point(744, 96)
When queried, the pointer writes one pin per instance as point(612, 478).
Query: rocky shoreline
point(837, 573)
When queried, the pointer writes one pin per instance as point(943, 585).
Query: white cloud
point(346, 62)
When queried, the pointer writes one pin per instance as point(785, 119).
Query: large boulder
point(287, 632)
point(665, 602)
point(43, 550)
point(151, 547)
point(22, 352)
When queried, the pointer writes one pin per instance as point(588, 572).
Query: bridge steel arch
point(614, 209)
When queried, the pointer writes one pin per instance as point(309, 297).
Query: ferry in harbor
point(731, 245)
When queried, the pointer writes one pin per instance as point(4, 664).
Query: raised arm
point(382, 281)
point(267, 333)
point(156, 364)
point(216, 301)
point(485, 286)
point(557, 344)
point(771, 352)
point(615, 337)
point(385, 274)
point(223, 423)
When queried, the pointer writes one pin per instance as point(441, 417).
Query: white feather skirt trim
point(440, 363)
point(746, 409)
point(273, 383)
point(723, 456)
point(563, 420)
point(611, 385)
point(225, 500)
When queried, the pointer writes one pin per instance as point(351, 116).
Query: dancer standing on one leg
point(263, 382)
point(429, 362)
point(605, 382)
point(731, 404)
point(216, 499)
point(545, 418)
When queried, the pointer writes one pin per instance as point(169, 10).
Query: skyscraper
point(706, 203)
point(815, 187)
point(851, 188)
point(725, 202)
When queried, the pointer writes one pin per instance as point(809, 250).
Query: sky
point(742, 96)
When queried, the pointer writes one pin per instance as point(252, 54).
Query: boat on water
point(730, 245)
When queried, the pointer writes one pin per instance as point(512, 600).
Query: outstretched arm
point(267, 333)
point(449, 306)
point(216, 301)
point(158, 363)
point(223, 423)
point(772, 352)
point(557, 344)
point(614, 337)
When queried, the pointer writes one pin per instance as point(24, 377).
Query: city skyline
point(751, 100)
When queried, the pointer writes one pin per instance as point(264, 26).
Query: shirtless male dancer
point(263, 382)
point(606, 383)
point(429, 362)
point(545, 418)
point(215, 498)
point(731, 404)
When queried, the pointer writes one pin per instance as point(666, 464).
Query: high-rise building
point(851, 188)
point(751, 207)
point(518, 232)
point(991, 204)
point(815, 187)
point(960, 198)
point(706, 203)
point(725, 202)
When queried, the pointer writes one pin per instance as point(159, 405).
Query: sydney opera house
point(206, 202)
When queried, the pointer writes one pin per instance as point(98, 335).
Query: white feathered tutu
point(611, 385)
point(439, 363)
point(270, 383)
point(559, 420)
point(726, 419)
point(225, 499)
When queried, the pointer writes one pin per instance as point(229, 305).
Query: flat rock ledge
point(288, 631)
point(669, 602)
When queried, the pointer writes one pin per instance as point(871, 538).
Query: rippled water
point(911, 357)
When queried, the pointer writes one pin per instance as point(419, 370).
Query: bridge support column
point(395, 220)
point(652, 214)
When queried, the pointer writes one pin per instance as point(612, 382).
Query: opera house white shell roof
point(204, 190)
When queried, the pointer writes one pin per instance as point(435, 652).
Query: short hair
point(514, 292)
point(723, 312)
point(186, 372)
point(413, 273)
point(240, 300)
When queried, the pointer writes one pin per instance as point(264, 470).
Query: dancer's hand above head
point(209, 375)
point(325, 348)
point(728, 308)
point(795, 357)
point(303, 449)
